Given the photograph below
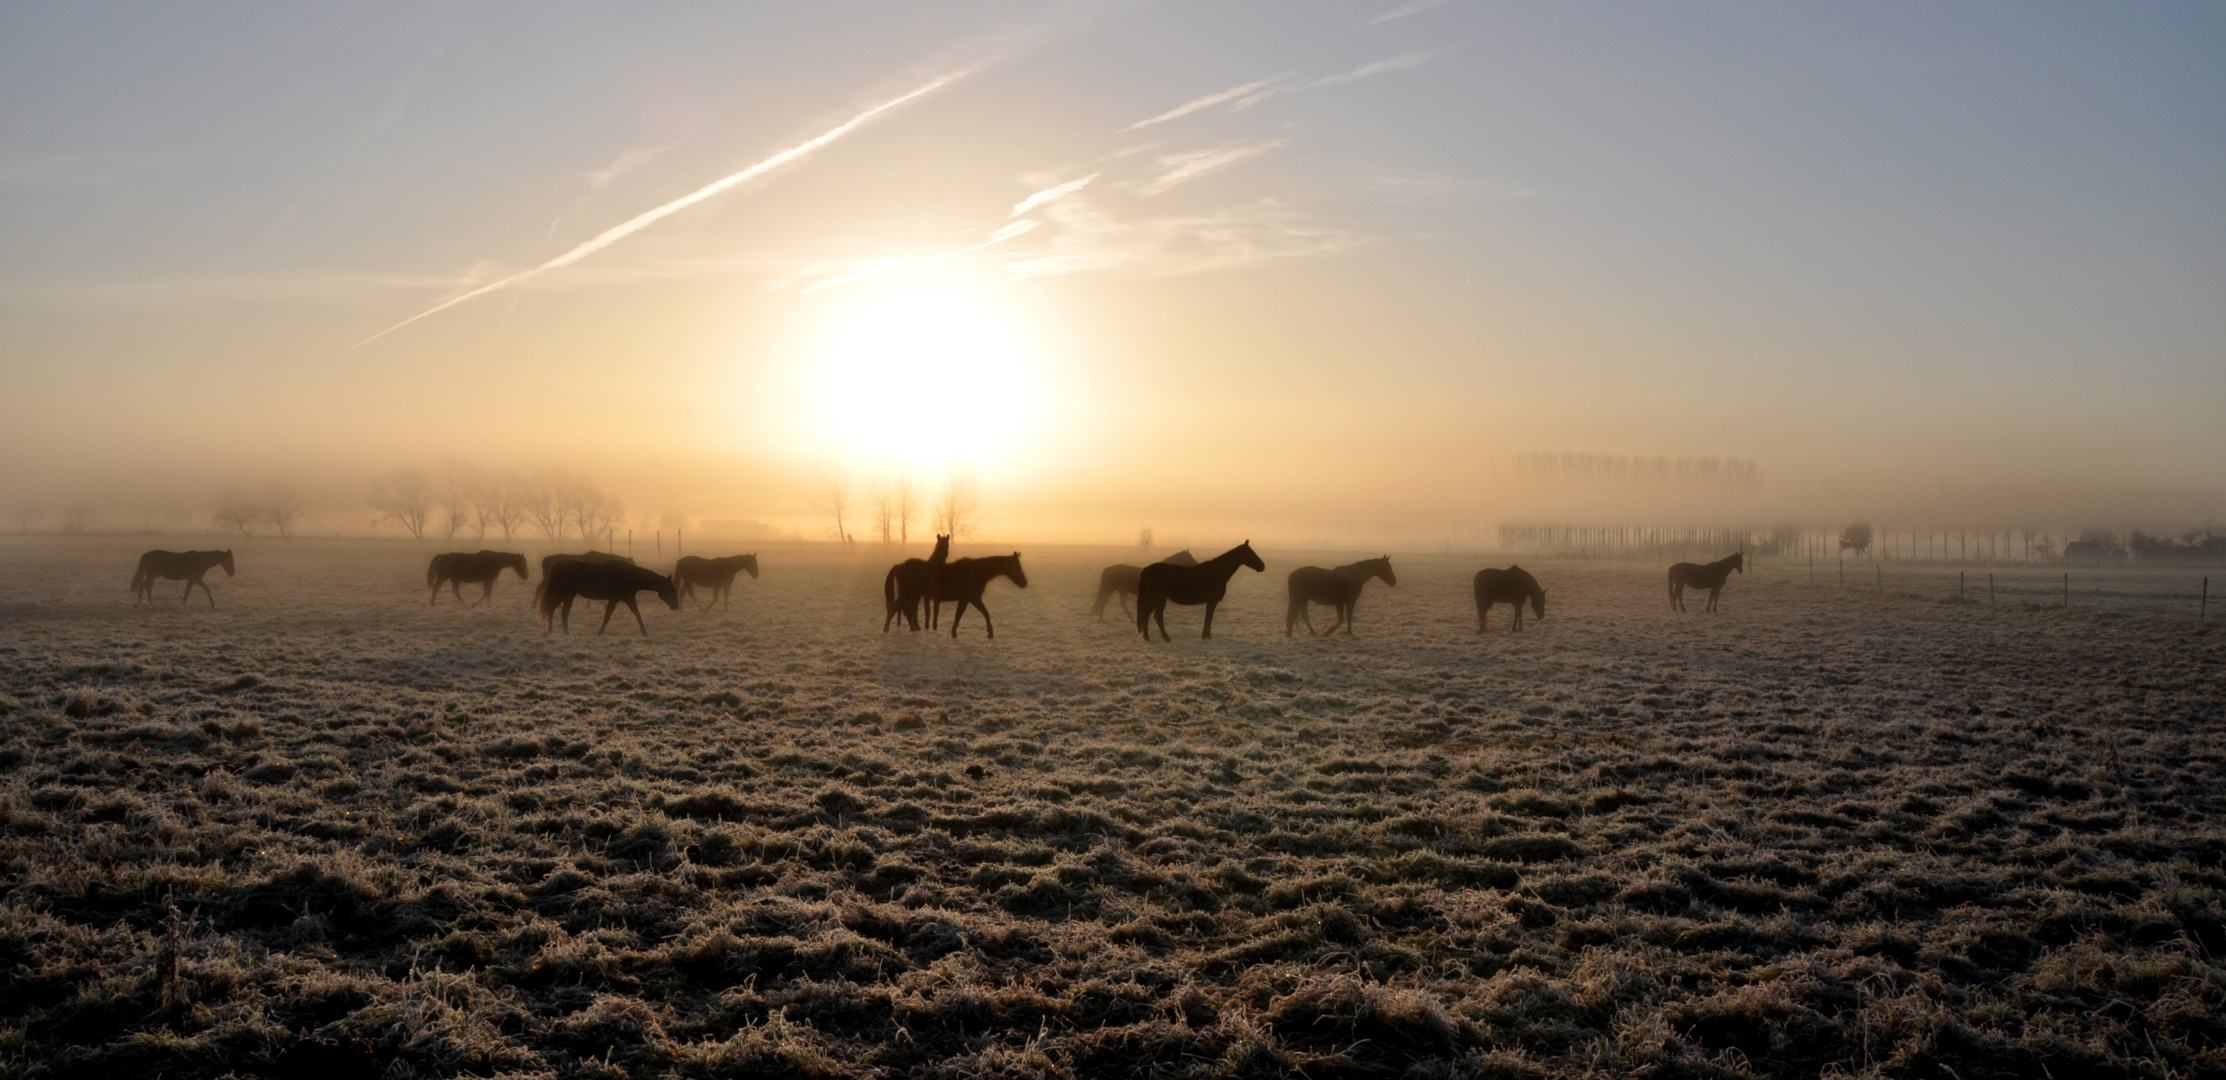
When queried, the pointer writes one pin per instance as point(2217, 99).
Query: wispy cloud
point(1050, 193)
point(1183, 168)
point(625, 162)
point(1380, 67)
point(722, 185)
point(1209, 101)
point(878, 267)
point(1413, 7)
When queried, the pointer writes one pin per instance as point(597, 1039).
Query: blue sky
point(1918, 261)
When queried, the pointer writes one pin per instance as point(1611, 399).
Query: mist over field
point(1707, 519)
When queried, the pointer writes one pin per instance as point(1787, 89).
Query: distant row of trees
point(458, 499)
point(277, 506)
point(896, 501)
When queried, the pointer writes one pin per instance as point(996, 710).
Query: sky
point(1318, 271)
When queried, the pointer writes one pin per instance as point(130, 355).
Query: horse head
point(1250, 558)
point(749, 563)
point(942, 552)
point(668, 592)
point(1019, 576)
point(1383, 570)
point(516, 562)
point(1538, 603)
point(1739, 561)
point(228, 562)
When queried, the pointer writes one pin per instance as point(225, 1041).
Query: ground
point(326, 831)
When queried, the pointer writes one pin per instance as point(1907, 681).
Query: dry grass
point(322, 831)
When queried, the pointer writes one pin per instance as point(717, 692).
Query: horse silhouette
point(1119, 580)
point(457, 569)
point(911, 582)
point(187, 566)
point(1338, 588)
point(962, 582)
point(1514, 586)
point(714, 574)
point(1710, 577)
point(612, 582)
point(1206, 583)
point(551, 562)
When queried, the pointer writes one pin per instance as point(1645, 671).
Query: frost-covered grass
point(325, 831)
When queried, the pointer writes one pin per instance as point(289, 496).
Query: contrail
point(620, 232)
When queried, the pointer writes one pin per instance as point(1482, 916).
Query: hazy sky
point(1327, 268)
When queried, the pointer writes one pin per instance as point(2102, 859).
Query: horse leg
point(568, 616)
point(1345, 615)
point(456, 589)
point(610, 607)
point(636, 609)
point(487, 592)
point(1712, 595)
point(1483, 608)
point(1207, 633)
point(955, 617)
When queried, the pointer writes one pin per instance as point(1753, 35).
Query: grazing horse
point(1338, 588)
point(456, 569)
point(963, 580)
point(1710, 577)
point(187, 566)
point(1512, 586)
point(1119, 580)
point(910, 582)
point(714, 574)
point(613, 582)
point(1205, 583)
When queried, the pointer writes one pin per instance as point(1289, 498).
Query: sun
point(927, 377)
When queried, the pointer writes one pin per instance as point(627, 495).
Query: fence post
point(1959, 586)
point(2067, 590)
point(1990, 590)
point(1881, 578)
point(1843, 569)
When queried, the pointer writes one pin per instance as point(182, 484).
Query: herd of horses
point(920, 587)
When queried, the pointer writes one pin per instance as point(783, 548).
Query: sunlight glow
point(926, 377)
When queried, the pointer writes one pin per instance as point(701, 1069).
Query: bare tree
point(884, 509)
point(453, 499)
point(77, 517)
point(958, 508)
point(832, 498)
point(235, 512)
point(905, 504)
point(282, 508)
point(543, 505)
point(1856, 538)
point(498, 504)
point(598, 513)
point(404, 498)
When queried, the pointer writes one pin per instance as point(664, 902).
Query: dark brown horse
point(1710, 577)
point(1119, 580)
point(612, 582)
point(1338, 588)
point(1513, 585)
point(550, 562)
point(186, 566)
point(910, 583)
point(1206, 583)
point(962, 582)
point(457, 569)
point(714, 574)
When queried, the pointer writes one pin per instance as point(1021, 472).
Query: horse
point(1205, 583)
point(714, 574)
point(1710, 577)
point(963, 580)
point(615, 582)
point(1512, 586)
point(1338, 588)
point(456, 569)
point(1120, 580)
point(187, 566)
point(550, 562)
point(910, 582)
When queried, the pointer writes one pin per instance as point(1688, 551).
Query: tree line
point(896, 501)
point(459, 499)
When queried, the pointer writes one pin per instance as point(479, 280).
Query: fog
point(1446, 278)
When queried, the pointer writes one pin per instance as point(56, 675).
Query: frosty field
point(323, 830)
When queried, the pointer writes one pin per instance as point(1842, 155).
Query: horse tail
point(889, 594)
point(433, 572)
point(1144, 598)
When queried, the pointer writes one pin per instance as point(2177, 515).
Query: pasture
point(323, 830)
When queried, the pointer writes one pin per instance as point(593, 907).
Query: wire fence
point(2164, 592)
